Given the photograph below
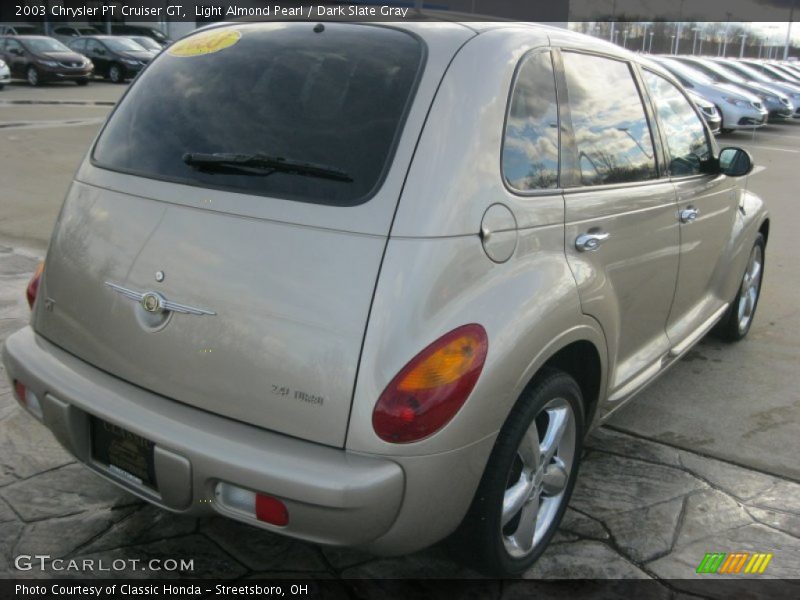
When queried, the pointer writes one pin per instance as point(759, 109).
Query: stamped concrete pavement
point(641, 509)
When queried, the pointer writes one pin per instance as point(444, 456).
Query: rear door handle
point(689, 214)
point(589, 242)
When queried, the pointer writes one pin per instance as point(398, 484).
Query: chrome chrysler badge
point(155, 303)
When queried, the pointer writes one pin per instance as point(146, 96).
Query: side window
point(683, 130)
point(612, 135)
point(94, 46)
point(530, 147)
point(78, 45)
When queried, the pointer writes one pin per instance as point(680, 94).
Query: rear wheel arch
point(580, 360)
point(764, 230)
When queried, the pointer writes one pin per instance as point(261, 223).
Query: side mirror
point(735, 162)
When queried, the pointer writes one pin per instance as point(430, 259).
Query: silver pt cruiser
point(371, 285)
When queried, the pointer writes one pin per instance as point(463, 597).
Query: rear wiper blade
point(261, 164)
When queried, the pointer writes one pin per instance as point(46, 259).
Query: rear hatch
point(268, 242)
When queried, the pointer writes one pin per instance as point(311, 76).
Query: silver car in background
point(739, 109)
point(748, 71)
point(5, 74)
point(777, 103)
point(372, 284)
point(709, 111)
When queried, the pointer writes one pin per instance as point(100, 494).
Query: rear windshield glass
point(270, 109)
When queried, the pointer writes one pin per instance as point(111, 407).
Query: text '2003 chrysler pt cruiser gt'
point(370, 285)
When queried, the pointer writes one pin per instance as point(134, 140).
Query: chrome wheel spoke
point(559, 419)
point(523, 536)
point(515, 498)
point(529, 448)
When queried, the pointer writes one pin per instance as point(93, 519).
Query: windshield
point(39, 45)
point(748, 72)
point(87, 31)
point(336, 98)
point(726, 74)
point(122, 45)
point(146, 43)
point(156, 34)
point(689, 73)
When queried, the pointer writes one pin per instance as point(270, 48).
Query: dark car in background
point(135, 30)
point(20, 29)
point(67, 33)
point(115, 58)
point(38, 59)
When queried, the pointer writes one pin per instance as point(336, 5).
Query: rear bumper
point(333, 496)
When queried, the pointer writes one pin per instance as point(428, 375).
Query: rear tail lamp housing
point(33, 285)
point(428, 392)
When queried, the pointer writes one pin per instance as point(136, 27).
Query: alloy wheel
point(538, 478)
point(751, 285)
point(33, 76)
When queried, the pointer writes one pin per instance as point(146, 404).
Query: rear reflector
point(27, 399)
point(271, 510)
point(19, 392)
point(252, 504)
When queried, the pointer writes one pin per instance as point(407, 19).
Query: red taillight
point(33, 285)
point(271, 510)
point(19, 392)
point(430, 390)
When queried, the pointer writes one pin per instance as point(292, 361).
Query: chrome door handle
point(689, 214)
point(589, 242)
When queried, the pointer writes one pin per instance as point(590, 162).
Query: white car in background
point(5, 74)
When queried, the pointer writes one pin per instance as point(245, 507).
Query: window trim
point(661, 133)
point(571, 137)
point(512, 88)
point(361, 200)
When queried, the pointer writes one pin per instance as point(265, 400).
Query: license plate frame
point(127, 455)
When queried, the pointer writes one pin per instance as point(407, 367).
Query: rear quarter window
point(336, 98)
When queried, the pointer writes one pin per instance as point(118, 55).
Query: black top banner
point(558, 11)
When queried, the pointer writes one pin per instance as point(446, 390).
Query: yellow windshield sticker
point(205, 43)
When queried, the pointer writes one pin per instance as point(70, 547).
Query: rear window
point(334, 99)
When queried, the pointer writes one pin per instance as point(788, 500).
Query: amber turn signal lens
point(428, 392)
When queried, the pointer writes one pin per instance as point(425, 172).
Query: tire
point(82, 82)
point(116, 73)
point(515, 479)
point(736, 323)
point(32, 75)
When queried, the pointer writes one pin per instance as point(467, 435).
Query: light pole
point(625, 39)
point(700, 50)
point(741, 48)
point(680, 28)
point(694, 41)
point(672, 44)
point(612, 32)
point(644, 36)
point(725, 38)
point(789, 32)
point(650, 47)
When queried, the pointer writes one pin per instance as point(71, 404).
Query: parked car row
point(40, 58)
point(64, 32)
point(746, 93)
